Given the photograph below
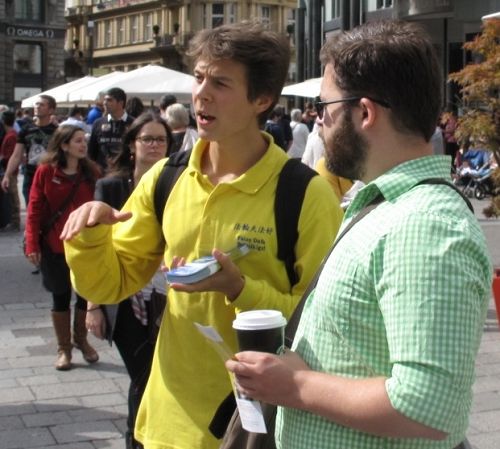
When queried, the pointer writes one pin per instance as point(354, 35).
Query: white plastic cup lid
point(258, 320)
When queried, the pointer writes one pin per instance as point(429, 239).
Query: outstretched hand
point(90, 214)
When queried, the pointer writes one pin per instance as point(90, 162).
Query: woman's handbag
point(54, 269)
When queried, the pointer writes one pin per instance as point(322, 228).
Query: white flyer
point(252, 418)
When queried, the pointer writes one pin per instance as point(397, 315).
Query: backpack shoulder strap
point(290, 192)
point(169, 175)
point(449, 184)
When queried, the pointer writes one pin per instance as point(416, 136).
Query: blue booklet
point(201, 268)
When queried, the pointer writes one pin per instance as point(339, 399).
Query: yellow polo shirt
point(188, 379)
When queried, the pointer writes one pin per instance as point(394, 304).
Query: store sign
point(405, 8)
point(33, 32)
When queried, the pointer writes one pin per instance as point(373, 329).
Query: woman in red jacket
point(63, 181)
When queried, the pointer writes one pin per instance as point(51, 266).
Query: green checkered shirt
point(404, 295)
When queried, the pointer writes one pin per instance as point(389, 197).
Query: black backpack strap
point(169, 175)
point(449, 184)
point(290, 192)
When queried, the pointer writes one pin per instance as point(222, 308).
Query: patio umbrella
point(149, 83)
point(309, 88)
point(89, 93)
point(60, 93)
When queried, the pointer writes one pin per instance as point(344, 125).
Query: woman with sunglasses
point(131, 324)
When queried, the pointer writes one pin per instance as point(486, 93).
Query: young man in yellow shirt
point(225, 196)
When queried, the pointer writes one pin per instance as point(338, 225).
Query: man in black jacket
point(107, 132)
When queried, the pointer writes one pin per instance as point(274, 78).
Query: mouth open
point(205, 119)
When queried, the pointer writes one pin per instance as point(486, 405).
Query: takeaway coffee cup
point(260, 330)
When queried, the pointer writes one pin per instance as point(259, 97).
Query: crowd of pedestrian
point(390, 321)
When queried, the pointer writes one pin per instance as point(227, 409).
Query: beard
point(346, 150)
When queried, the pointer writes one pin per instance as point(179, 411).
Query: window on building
point(28, 58)
point(384, 4)
point(148, 26)
point(108, 35)
point(335, 9)
point(231, 12)
point(217, 14)
point(265, 15)
point(134, 28)
point(290, 25)
point(120, 28)
point(29, 10)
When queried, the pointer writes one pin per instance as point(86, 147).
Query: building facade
point(449, 22)
point(31, 47)
point(104, 36)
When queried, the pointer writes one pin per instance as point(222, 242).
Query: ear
point(262, 103)
point(368, 113)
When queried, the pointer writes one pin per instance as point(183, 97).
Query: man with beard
point(385, 349)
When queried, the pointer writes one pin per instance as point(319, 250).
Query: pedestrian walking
point(64, 180)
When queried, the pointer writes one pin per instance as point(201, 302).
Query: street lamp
point(90, 28)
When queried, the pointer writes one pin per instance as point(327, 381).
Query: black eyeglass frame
point(320, 105)
point(150, 140)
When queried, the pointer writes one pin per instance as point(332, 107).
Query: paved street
point(85, 408)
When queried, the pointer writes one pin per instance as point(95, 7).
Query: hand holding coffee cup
point(260, 330)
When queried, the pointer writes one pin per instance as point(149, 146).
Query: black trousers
point(131, 339)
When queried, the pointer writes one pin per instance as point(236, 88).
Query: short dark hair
point(167, 100)
point(50, 100)
point(118, 94)
point(393, 61)
point(265, 55)
point(75, 110)
point(8, 118)
point(134, 106)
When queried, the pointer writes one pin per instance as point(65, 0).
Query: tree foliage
point(480, 89)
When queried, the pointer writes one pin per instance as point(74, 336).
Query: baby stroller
point(483, 185)
point(474, 182)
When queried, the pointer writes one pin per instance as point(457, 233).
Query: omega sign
point(29, 32)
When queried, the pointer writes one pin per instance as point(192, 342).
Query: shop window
point(28, 58)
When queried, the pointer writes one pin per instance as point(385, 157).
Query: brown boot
point(80, 337)
point(62, 326)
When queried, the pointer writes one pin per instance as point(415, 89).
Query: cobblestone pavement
point(85, 408)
